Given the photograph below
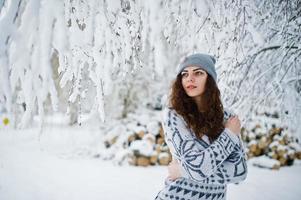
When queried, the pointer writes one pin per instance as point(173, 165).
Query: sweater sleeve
point(198, 162)
point(239, 146)
point(234, 168)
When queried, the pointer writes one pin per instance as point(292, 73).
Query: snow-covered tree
point(107, 58)
point(29, 33)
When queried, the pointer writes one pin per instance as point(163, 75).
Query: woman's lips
point(190, 87)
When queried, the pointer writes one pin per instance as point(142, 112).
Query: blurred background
point(83, 84)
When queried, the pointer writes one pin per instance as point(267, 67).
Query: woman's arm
point(226, 173)
point(232, 170)
point(198, 162)
point(240, 149)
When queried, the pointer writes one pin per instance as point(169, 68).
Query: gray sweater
point(206, 167)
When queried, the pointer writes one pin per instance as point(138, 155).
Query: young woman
point(204, 140)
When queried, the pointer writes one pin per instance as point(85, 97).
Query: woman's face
point(194, 81)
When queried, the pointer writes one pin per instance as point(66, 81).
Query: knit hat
point(204, 61)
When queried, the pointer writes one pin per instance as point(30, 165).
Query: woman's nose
point(190, 78)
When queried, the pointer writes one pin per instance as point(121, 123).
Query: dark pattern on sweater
point(207, 168)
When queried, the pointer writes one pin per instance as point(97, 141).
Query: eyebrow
point(193, 70)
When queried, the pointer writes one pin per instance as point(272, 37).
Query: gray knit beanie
point(204, 61)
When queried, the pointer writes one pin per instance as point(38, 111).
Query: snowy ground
point(58, 166)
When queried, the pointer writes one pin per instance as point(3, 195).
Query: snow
point(274, 144)
point(252, 142)
point(115, 132)
point(282, 147)
point(153, 127)
point(58, 164)
point(144, 147)
point(264, 161)
point(163, 155)
point(295, 146)
point(150, 137)
point(134, 127)
point(110, 60)
point(113, 56)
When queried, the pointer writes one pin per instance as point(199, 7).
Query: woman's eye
point(184, 74)
point(199, 73)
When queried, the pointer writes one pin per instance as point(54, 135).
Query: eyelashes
point(197, 73)
point(184, 74)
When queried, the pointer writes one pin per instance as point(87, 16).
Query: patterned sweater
point(206, 167)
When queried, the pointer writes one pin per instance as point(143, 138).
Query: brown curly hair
point(208, 122)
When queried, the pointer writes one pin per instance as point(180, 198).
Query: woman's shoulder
point(170, 113)
point(173, 121)
point(168, 109)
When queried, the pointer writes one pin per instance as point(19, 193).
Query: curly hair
point(208, 122)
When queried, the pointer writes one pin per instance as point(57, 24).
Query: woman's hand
point(174, 170)
point(233, 124)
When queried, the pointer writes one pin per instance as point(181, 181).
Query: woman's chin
point(192, 95)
